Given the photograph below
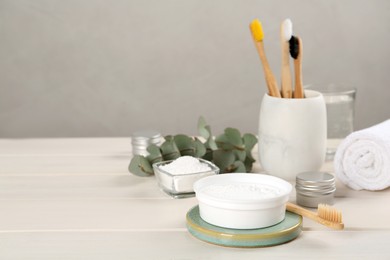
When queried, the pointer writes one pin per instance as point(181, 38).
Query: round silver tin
point(142, 139)
point(313, 188)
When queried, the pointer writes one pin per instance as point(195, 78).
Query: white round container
point(242, 200)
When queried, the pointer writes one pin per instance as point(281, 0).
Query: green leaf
point(185, 144)
point(249, 163)
point(205, 131)
point(210, 143)
point(140, 166)
point(238, 166)
point(223, 159)
point(223, 142)
point(240, 155)
point(154, 154)
point(202, 129)
point(168, 138)
point(250, 141)
point(208, 155)
point(234, 137)
point(169, 150)
point(200, 149)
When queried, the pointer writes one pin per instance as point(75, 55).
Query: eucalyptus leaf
point(250, 141)
point(154, 154)
point(249, 163)
point(169, 150)
point(168, 138)
point(234, 137)
point(223, 142)
point(210, 143)
point(140, 166)
point(240, 155)
point(202, 129)
point(185, 144)
point(238, 166)
point(223, 159)
point(208, 155)
point(200, 149)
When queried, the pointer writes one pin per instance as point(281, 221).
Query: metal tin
point(313, 188)
point(142, 139)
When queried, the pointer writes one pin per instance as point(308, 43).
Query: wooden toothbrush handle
point(300, 211)
point(298, 93)
point(286, 73)
point(272, 85)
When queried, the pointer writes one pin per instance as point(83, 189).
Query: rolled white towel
point(362, 160)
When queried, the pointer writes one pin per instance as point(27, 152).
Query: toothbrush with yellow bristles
point(285, 36)
point(258, 35)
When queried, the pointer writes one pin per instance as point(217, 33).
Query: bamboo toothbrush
point(285, 36)
point(296, 51)
point(258, 35)
point(326, 215)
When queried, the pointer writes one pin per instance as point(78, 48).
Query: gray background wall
point(108, 68)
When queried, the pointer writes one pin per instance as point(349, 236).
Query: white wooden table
point(74, 199)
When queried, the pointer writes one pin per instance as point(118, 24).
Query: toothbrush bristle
point(257, 30)
point(329, 213)
point(287, 29)
point(294, 47)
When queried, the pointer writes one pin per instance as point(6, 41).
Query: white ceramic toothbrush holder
point(292, 134)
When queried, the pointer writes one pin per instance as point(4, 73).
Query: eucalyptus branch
point(230, 151)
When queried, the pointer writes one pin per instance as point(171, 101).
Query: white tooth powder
point(185, 165)
point(179, 176)
point(242, 191)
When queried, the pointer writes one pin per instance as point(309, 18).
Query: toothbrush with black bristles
point(296, 53)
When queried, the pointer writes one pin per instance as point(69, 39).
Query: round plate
point(280, 233)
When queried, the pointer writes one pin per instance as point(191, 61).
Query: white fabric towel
point(362, 160)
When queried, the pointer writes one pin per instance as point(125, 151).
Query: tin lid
point(146, 137)
point(146, 134)
point(315, 183)
point(315, 179)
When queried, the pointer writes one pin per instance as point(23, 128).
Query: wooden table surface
point(73, 198)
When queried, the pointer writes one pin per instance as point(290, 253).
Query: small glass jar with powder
point(177, 177)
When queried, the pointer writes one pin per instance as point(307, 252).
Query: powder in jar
point(177, 177)
point(242, 191)
point(185, 165)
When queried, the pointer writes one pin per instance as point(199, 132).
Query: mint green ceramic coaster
point(280, 233)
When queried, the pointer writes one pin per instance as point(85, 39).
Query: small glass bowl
point(181, 185)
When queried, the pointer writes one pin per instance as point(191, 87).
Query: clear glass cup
point(340, 108)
